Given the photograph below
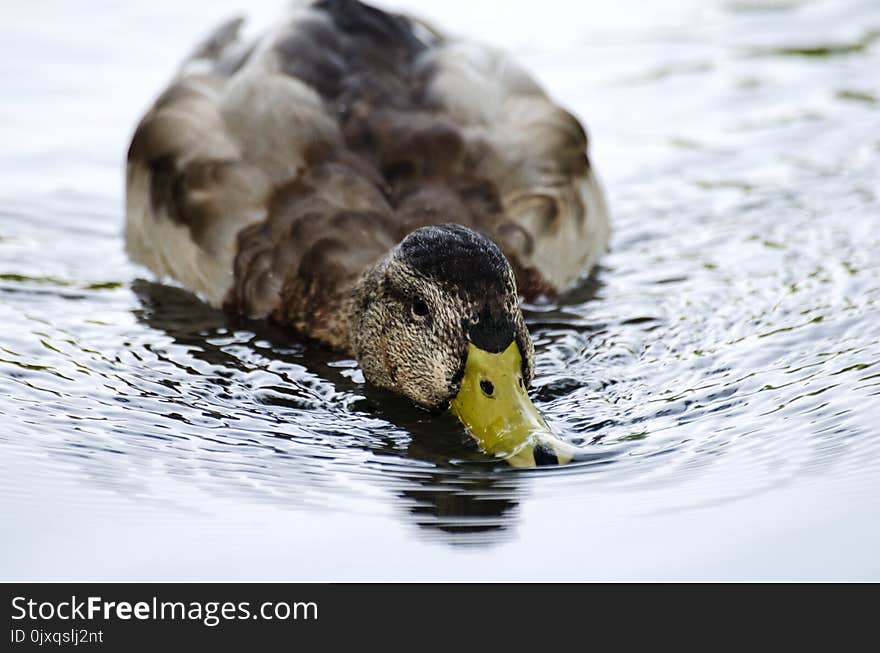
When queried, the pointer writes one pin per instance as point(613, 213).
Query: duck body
point(373, 184)
point(272, 174)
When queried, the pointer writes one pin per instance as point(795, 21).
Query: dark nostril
point(487, 387)
point(544, 456)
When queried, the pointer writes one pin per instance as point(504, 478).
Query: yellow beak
point(495, 408)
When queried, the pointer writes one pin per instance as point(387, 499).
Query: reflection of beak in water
point(464, 508)
point(469, 503)
point(472, 502)
point(495, 408)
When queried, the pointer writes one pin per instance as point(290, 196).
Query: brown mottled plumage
point(276, 177)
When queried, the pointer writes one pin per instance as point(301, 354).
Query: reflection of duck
point(462, 503)
point(311, 177)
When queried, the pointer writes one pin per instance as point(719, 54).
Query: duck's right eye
point(419, 308)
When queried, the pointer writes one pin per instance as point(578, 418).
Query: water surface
point(720, 367)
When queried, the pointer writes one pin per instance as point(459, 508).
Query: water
point(721, 367)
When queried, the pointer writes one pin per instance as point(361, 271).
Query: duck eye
point(487, 387)
point(419, 308)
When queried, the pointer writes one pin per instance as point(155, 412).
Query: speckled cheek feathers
point(400, 348)
point(410, 331)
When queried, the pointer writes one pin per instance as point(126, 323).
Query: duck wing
point(534, 152)
point(272, 173)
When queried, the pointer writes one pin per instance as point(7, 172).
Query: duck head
point(437, 320)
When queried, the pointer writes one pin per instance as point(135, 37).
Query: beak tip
point(545, 456)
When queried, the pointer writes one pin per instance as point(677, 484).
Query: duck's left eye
point(419, 308)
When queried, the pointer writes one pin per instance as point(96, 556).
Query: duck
point(389, 190)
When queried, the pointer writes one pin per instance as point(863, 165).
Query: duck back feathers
point(272, 174)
